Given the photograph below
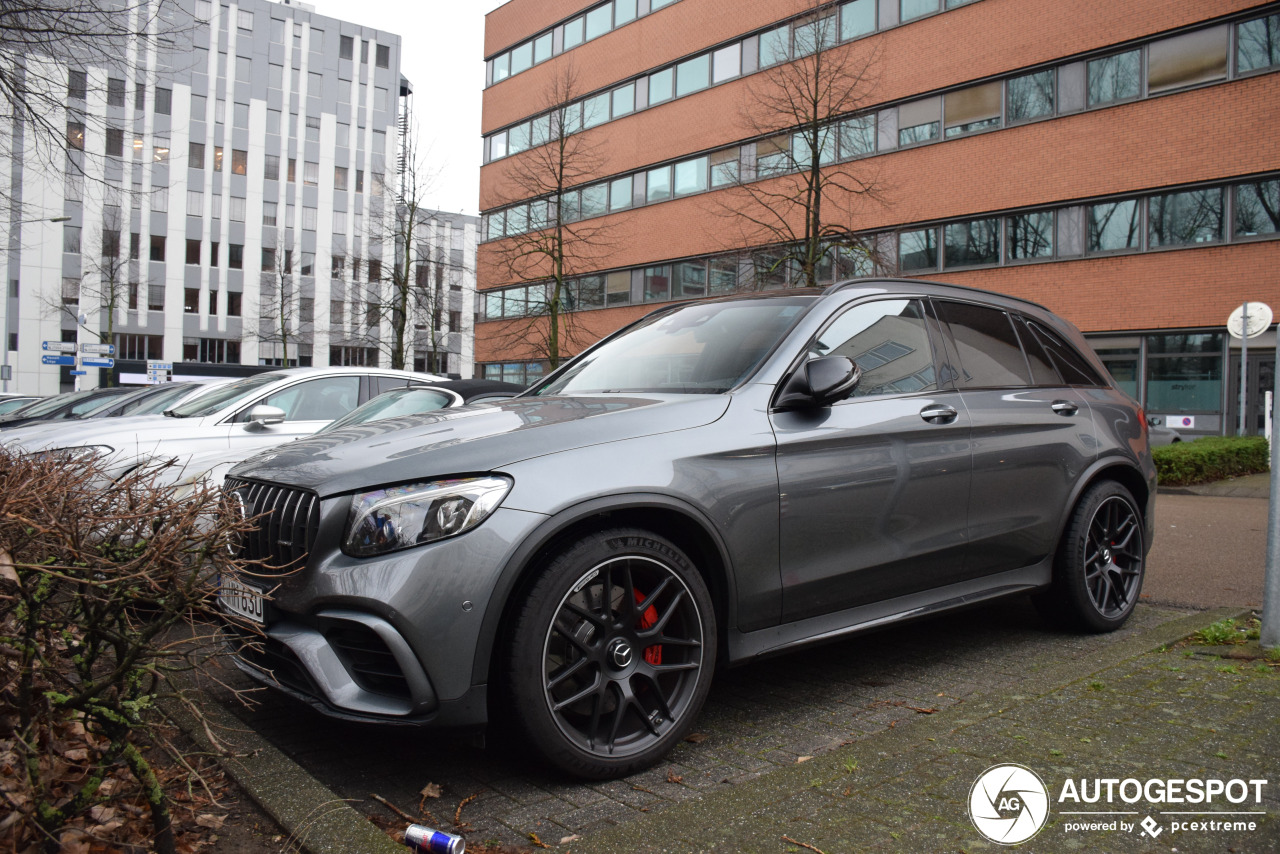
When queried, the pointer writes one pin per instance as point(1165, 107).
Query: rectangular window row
point(590, 25)
point(1183, 218)
point(1237, 213)
point(1169, 64)
point(1184, 60)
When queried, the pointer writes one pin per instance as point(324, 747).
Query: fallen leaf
point(565, 840)
point(696, 737)
point(101, 813)
point(214, 822)
point(76, 754)
point(431, 790)
point(74, 842)
point(457, 815)
point(673, 777)
point(533, 837)
point(7, 572)
point(803, 759)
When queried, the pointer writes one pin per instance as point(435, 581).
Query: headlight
point(400, 517)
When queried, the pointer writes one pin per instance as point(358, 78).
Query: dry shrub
point(107, 592)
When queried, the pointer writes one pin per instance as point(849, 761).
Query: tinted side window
point(890, 343)
point(315, 400)
point(381, 384)
point(1042, 370)
point(990, 355)
point(1073, 367)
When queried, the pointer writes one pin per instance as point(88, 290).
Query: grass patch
point(1211, 458)
point(1225, 632)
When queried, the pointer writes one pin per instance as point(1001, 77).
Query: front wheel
point(612, 653)
point(1097, 573)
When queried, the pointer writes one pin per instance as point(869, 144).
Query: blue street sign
point(159, 366)
point(98, 363)
point(79, 373)
point(58, 360)
point(58, 346)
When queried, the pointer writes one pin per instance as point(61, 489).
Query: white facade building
point(249, 151)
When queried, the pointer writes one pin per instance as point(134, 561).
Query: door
point(1032, 433)
point(307, 407)
point(874, 489)
point(1261, 370)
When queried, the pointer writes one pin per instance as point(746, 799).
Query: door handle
point(938, 414)
point(1064, 407)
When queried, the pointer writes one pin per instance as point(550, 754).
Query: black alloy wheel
point(1098, 570)
point(613, 653)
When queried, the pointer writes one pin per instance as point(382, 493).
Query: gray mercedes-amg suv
point(718, 481)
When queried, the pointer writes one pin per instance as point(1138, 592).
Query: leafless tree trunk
point(798, 199)
point(550, 237)
point(277, 312)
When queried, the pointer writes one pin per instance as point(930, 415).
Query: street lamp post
point(4, 303)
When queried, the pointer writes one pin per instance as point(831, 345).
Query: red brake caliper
point(652, 654)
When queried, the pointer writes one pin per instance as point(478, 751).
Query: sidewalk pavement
point(1247, 486)
point(1164, 713)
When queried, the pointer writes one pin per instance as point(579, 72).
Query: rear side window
point(890, 343)
point(1073, 367)
point(1043, 372)
point(321, 399)
point(989, 351)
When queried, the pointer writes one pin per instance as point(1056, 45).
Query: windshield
point(55, 403)
point(99, 407)
point(393, 404)
point(705, 348)
point(215, 401)
point(158, 400)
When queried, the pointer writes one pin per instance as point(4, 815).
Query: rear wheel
point(1098, 570)
point(612, 653)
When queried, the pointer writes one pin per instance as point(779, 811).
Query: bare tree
point(46, 48)
point(278, 310)
point(799, 197)
point(103, 289)
point(550, 221)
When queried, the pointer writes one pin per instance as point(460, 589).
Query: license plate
point(240, 599)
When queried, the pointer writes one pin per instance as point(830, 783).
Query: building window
point(857, 138)
point(1258, 44)
point(139, 347)
point(1188, 59)
point(214, 250)
point(244, 69)
point(340, 177)
point(1184, 372)
point(309, 219)
point(239, 162)
point(190, 300)
point(693, 75)
point(233, 304)
point(70, 291)
point(115, 92)
point(115, 142)
point(213, 302)
point(658, 184)
point(917, 133)
point(194, 250)
point(244, 19)
point(268, 260)
point(164, 101)
point(1114, 78)
point(310, 172)
point(1114, 226)
point(217, 158)
point(160, 151)
point(1031, 235)
point(195, 155)
point(690, 177)
point(75, 135)
point(375, 269)
point(971, 243)
point(271, 167)
point(773, 156)
point(71, 238)
point(269, 213)
point(77, 85)
point(918, 250)
point(346, 47)
point(1257, 208)
point(235, 256)
point(157, 247)
point(210, 350)
point(1185, 219)
point(155, 297)
point(313, 129)
point(912, 9)
point(383, 56)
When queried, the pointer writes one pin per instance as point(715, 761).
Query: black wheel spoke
point(568, 671)
point(595, 619)
point(653, 595)
point(629, 595)
point(581, 695)
point(663, 619)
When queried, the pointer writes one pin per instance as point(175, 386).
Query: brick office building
point(1119, 163)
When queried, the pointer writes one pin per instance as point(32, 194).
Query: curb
point(713, 810)
point(314, 818)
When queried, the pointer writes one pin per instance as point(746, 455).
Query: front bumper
point(390, 638)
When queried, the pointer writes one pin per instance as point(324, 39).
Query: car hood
point(473, 439)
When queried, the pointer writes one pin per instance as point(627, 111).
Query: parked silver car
point(223, 425)
point(719, 481)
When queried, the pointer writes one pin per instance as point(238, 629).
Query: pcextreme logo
point(1009, 804)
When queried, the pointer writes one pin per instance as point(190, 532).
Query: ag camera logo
point(1008, 803)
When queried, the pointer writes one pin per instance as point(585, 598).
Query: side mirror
point(261, 416)
point(820, 382)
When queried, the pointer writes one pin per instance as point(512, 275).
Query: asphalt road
point(1207, 552)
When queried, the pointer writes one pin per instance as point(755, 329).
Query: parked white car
point(225, 425)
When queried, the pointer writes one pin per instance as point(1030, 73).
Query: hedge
point(1211, 458)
